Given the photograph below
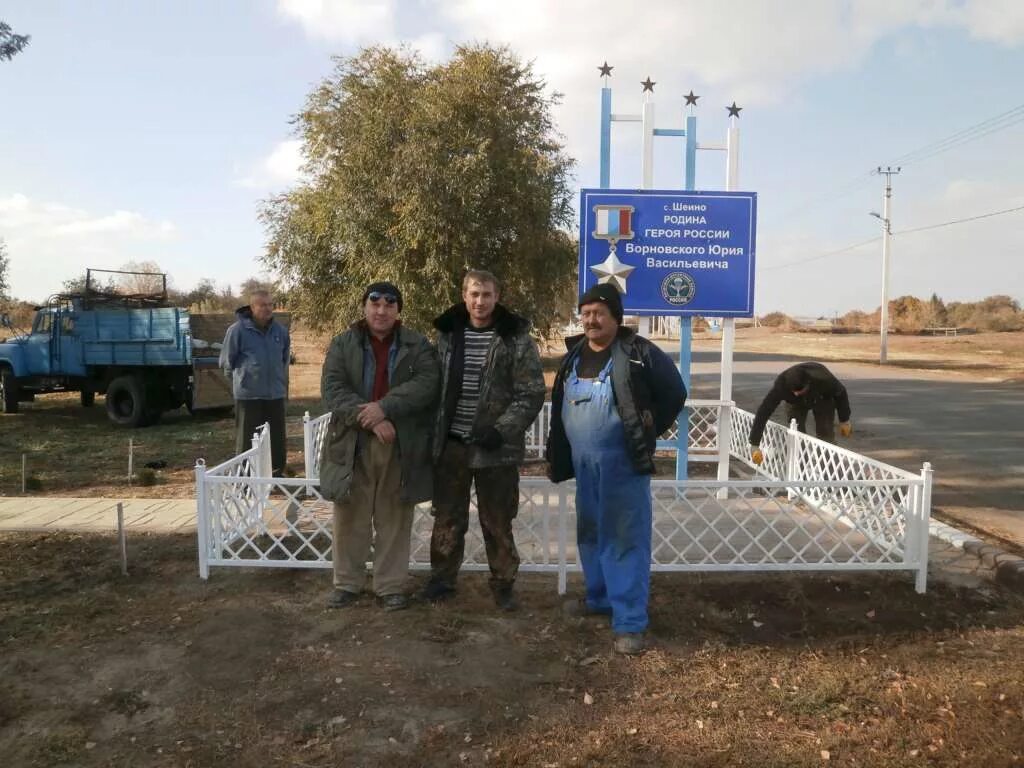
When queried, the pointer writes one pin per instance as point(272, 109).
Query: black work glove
point(489, 438)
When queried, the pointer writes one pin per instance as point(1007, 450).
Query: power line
point(980, 130)
point(901, 232)
point(977, 131)
point(824, 255)
point(961, 221)
point(837, 194)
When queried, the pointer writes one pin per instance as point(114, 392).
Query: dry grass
point(75, 451)
point(160, 668)
point(995, 355)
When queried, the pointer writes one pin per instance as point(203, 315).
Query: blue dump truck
point(132, 347)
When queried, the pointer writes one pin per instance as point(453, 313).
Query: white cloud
point(755, 52)
point(126, 222)
point(282, 167)
point(51, 242)
point(748, 50)
point(348, 21)
point(1001, 21)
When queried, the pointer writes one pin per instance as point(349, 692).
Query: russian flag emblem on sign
point(613, 222)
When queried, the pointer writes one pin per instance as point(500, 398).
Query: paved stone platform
point(47, 513)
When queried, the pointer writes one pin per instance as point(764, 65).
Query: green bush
point(146, 477)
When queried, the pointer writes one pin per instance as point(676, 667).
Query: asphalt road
point(971, 430)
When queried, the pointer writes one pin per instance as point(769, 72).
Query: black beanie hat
point(607, 294)
point(383, 287)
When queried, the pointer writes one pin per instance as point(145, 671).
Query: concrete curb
point(1007, 569)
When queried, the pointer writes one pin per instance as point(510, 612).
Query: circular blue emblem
point(678, 288)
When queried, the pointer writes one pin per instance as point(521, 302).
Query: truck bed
point(157, 336)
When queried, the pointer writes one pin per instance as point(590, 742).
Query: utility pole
point(886, 218)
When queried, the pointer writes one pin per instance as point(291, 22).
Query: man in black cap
point(805, 387)
point(614, 393)
point(380, 383)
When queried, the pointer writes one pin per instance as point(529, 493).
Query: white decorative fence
point(705, 416)
point(811, 507)
point(231, 498)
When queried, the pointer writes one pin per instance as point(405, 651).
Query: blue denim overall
point(613, 504)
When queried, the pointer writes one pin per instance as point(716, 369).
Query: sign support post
point(617, 272)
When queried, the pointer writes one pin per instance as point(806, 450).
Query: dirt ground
point(75, 451)
point(161, 669)
point(999, 356)
point(249, 669)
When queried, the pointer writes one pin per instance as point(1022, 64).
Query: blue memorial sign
point(670, 253)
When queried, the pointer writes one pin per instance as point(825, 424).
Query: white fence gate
point(812, 507)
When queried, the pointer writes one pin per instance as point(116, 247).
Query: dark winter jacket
point(649, 394)
point(256, 358)
point(410, 404)
point(823, 386)
point(511, 384)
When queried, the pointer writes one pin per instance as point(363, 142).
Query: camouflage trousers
point(497, 500)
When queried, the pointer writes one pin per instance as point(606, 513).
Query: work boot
point(341, 598)
point(505, 599)
point(396, 602)
point(437, 592)
point(630, 643)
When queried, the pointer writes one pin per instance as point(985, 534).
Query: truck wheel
point(8, 391)
point(126, 402)
point(88, 398)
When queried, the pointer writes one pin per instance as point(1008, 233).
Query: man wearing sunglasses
point(492, 387)
point(380, 382)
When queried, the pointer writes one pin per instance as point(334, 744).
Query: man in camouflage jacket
point(492, 387)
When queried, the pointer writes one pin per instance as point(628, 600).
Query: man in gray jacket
point(380, 383)
point(255, 354)
point(492, 387)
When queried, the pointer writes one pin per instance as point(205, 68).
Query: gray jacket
point(410, 405)
point(511, 384)
point(256, 360)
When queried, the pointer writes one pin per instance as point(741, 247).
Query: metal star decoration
point(734, 111)
point(606, 71)
point(647, 84)
point(691, 99)
point(612, 271)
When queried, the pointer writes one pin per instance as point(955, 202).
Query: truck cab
point(46, 359)
point(53, 348)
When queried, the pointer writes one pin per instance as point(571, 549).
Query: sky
point(151, 131)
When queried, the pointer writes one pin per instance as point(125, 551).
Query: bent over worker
point(614, 393)
point(806, 387)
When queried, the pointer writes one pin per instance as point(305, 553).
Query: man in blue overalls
point(615, 392)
